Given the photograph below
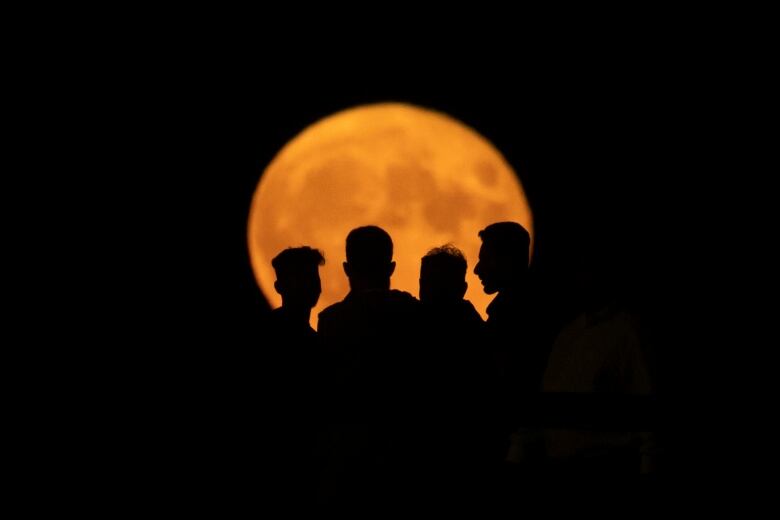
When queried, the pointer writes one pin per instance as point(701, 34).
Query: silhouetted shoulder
point(286, 327)
point(453, 322)
point(403, 297)
point(330, 310)
point(399, 304)
point(370, 314)
point(331, 314)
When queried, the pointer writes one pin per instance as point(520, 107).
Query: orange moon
point(423, 176)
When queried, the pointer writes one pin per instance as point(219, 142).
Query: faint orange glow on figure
point(421, 175)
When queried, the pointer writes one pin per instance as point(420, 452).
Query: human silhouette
point(459, 371)
point(298, 283)
point(371, 314)
point(512, 333)
point(294, 354)
point(372, 373)
point(503, 270)
point(455, 325)
point(288, 404)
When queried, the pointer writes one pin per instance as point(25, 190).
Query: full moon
point(424, 177)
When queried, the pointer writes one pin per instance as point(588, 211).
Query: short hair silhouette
point(297, 276)
point(508, 239)
point(369, 250)
point(293, 260)
point(443, 274)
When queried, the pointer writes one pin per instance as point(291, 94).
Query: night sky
point(598, 156)
point(601, 151)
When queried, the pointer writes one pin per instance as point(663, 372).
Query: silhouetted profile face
point(503, 256)
point(298, 276)
point(369, 262)
point(443, 275)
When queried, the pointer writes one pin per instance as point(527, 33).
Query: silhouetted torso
point(519, 358)
point(372, 339)
point(512, 330)
point(460, 396)
point(291, 360)
point(288, 327)
point(456, 355)
point(455, 318)
point(369, 316)
point(368, 336)
point(288, 408)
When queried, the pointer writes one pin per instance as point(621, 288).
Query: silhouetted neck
point(516, 288)
point(508, 297)
point(358, 285)
point(297, 315)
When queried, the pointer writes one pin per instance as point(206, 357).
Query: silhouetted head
point(298, 276)
point(443, 275)
point(503, 257)
point(369, 262)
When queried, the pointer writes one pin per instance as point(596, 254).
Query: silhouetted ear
point(347, 270)
point(391, 270)
point(462, 292)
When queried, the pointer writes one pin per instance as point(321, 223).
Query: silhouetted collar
point(284, 317)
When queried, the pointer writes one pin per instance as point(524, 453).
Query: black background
point(603, 147)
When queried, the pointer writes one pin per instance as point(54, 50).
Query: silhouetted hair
point(448, 261)
point(369, 246)
point(293, 260)
point(509, 239)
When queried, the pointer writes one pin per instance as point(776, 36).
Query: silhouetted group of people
point(395, 398)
